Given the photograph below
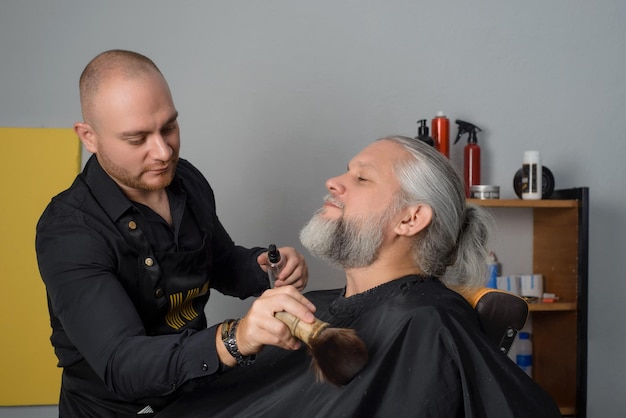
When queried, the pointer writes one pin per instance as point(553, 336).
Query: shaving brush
point(338, 354)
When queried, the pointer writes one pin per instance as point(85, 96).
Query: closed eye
point(169, 128)
point(136, 140)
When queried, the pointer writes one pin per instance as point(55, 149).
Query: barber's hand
point(259, 327)
point(294, 270)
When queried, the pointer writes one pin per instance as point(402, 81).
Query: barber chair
point(501, 314)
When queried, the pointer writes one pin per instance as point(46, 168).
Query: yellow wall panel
point(36, 165)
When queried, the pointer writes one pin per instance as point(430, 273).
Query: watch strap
point(229, 337)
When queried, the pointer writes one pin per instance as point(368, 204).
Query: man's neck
point(156, 200)
point(383, 270)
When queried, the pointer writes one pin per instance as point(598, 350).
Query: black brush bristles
point(338, 354)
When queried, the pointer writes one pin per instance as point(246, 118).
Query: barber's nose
point(161, 150)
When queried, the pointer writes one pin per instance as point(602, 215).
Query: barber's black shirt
point(90, 269)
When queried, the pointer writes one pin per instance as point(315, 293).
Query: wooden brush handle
point(302, 330)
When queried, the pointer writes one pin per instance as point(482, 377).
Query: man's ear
point(415, 218)
point(87, 136)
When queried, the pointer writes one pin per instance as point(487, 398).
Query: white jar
point(531, 176)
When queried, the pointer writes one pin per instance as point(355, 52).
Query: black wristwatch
point(229, 337)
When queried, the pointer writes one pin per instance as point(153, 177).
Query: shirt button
point(205, 367)
point(148, 262)
point(158, 293)
point(132, 225)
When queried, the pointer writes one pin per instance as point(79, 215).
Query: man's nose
point(160, 149)
point(335, 185)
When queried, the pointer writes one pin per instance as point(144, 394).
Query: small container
point(483, 191)
point(532, 287)
point(524, 357)
point(493, 270)
point(274, 268)
point(531, 176)
point(422, 133)
point(511, 284)
point(547, 182)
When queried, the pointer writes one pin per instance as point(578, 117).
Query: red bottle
point(441, 133)
point(471, 164)
point(471, 154)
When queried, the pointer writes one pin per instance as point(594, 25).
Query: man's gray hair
point(454, 246)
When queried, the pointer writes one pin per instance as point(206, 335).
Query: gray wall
point(276, 96)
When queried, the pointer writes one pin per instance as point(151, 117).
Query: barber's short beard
point(342, 242)
point(135, 180)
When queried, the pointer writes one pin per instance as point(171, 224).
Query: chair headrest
point(501, 314)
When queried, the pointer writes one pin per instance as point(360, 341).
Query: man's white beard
point(344, 243)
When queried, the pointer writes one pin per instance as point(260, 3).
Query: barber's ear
point(415, 218)
point(87, 136)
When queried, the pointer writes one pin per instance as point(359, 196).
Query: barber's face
point(135, 132)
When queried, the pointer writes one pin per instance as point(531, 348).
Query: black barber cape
point(428, 358)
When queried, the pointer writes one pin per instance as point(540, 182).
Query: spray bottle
point(441, 133)
point(422, 133)
point(471, 154)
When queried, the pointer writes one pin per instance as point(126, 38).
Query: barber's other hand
point(259, 327)
point(294, 270)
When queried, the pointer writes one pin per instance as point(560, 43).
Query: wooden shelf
point(519, 203)
point(556, 306)
point(560, 244)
